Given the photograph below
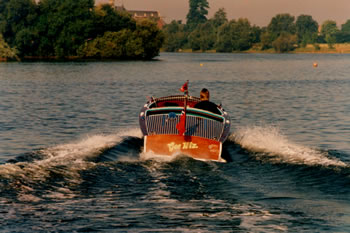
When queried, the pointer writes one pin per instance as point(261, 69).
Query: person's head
point(204, 95)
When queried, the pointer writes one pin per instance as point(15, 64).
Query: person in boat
point(205, 104)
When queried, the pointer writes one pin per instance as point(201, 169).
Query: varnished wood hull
point(195, 147)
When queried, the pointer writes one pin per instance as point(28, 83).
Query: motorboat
point(172, 126)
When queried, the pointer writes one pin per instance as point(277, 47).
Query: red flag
point(181, 126)
point(184, 87)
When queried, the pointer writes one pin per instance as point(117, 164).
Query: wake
point(66, 160)
point(268, 143)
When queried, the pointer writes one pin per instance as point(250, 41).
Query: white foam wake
point(158, 157)
point(66, 159)
point(271, 143)
point(88, 147)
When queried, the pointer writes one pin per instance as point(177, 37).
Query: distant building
point(144, 14)
point(153, 15)
point(139, 15)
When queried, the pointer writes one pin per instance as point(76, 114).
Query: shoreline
point(309, 49)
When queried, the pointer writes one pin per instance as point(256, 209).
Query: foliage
point(48, 28)
point(275, 33)
point(121, 44)
point(235, 36)
point(283, 33)
point(219, 18)
point(328, 31)
point(306, 29)
point(143, 43)
point(152, 38)
point(197, 13)
point(317, 46)
point(65, 28)
point(346, 26)
point(281, 24)
point(329, 27)
point(68, 24)
point(26, 41)
point(176, 37)
point(343, 36)
point(15, 16)
point(203, 37)
point(266, 40)
point(5, 50)
point(285, 43)
point(106, 19)
point(330, 39)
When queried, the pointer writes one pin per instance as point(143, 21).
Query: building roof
point(147, 14)
point(142, 14)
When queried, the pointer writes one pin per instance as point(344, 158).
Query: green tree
point(3, 6)
point(265, 39)
point(27, 41)
point(175, 36)
point(281, 23)
point(219, 18)
point(51, 28)
point(235, 36)
point(152, 38)
point(194, 39)
point(285, 43)
point(329, 27)
point(17, 15)
point(64, 25)
point(255, 34)
point(5, 50)
point(203, 37)
point(143, 43)
point(306, 29)
point(173, 27)
point(331, 40)
point(329, 30)
point(343, 36)
point(108, 19)
point(242, 39)
point(113, 45)
point(224, 37)
point(346, 26)
point(3, 23)
point(197, 13)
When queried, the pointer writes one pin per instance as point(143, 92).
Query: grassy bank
point(323, 48)
point(337, 48)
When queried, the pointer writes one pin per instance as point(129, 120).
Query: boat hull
point(195, 147)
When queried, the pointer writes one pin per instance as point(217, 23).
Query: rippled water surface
point(71, 151)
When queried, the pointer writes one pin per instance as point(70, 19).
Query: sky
point(259, 12)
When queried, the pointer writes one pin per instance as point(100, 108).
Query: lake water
point(71, 160)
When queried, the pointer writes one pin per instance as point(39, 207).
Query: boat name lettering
point(189, 145)
point(185, 145)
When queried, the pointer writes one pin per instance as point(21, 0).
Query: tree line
point(284, 32)
point(74, 28)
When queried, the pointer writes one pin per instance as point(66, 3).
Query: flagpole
point(181, 126)
point(185, 106)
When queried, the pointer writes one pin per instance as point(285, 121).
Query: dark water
point(71, 161)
